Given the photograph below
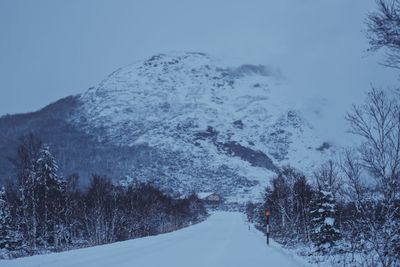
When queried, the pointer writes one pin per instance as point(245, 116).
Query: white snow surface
point(163, 100)
point(223, 240)
point(329, 221)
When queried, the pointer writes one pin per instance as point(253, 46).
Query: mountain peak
point(205, 115)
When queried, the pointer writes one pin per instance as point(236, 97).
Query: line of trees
point(351, 206)
point(40, 211)
point(302, 212)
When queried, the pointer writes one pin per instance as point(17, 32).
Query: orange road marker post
point(267, 215)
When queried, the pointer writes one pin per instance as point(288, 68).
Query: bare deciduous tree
point(377, 122)
point(384, 30)
point(328, 175)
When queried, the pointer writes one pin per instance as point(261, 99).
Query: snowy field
point(222, 240)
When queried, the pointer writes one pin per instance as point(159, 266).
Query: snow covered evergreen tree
point(51, 197)
point(323, 227)
point(24, 163)
point(10, 238)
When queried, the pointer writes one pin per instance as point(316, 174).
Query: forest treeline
point(349, 208)
point(40, 211)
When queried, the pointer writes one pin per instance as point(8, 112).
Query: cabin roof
point(203, 195)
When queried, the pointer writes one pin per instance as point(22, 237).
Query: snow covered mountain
point(187, 121)
point(206, 116)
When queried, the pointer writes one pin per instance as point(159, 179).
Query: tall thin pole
point(267, 213)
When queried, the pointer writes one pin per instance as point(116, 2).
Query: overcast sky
point(52, 49)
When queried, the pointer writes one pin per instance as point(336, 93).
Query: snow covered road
point(222, 240)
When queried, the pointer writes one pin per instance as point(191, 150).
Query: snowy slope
point(222, 241)
point(217, 127)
